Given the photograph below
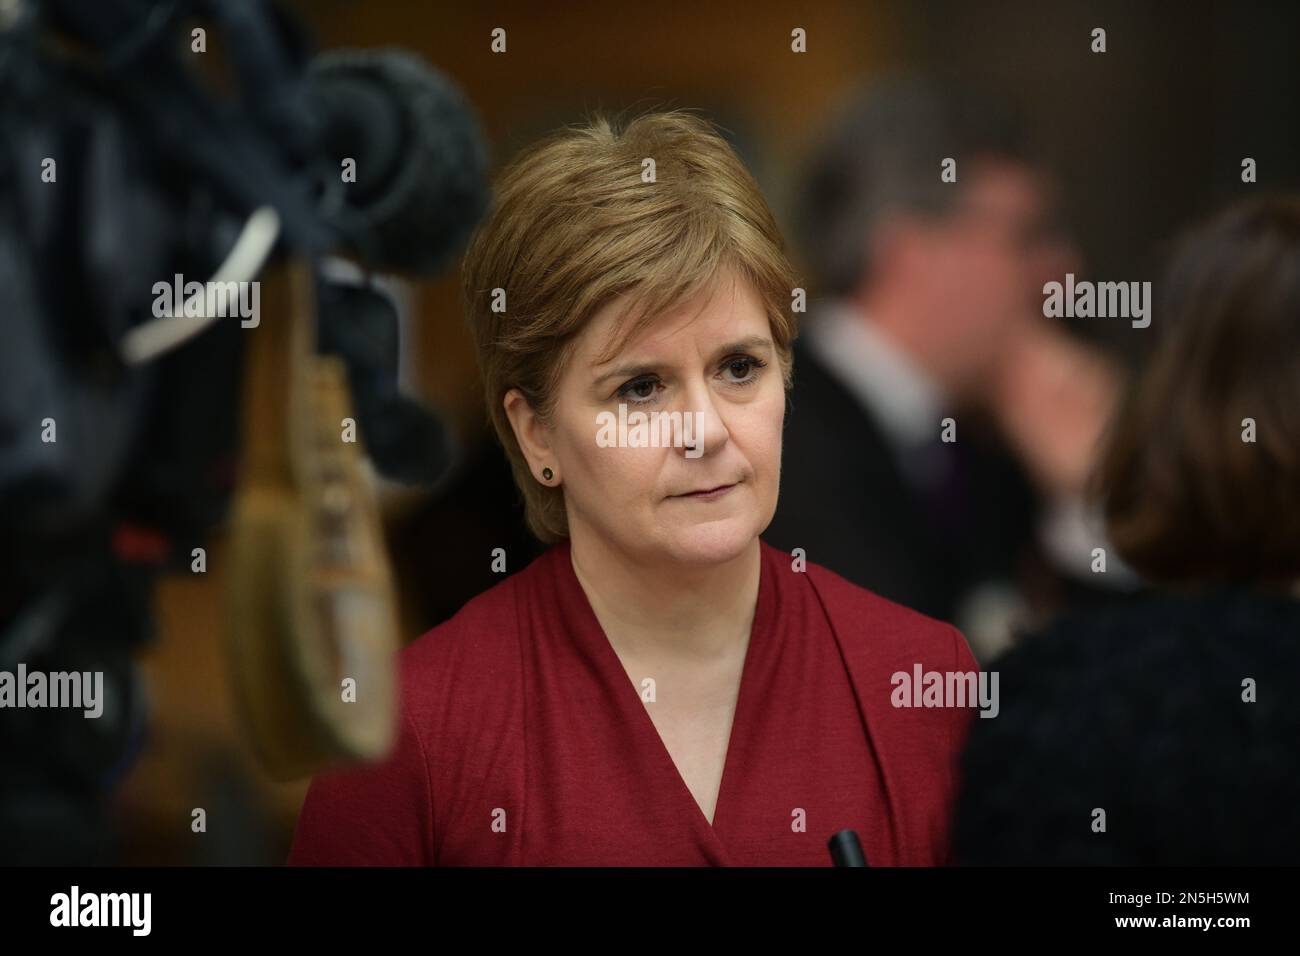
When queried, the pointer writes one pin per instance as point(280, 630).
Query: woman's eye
point(639, 390)
point(739, 370)
point(744, 368)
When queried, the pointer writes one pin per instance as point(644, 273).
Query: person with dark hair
point(1164, 731)
point(940, 427)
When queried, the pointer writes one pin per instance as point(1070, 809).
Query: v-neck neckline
point(641, 722)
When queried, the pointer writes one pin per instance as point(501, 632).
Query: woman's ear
point(530, 432)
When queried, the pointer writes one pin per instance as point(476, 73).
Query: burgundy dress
point(524, 742)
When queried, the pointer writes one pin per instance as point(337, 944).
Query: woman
point(660, 687)
point(1165, 731)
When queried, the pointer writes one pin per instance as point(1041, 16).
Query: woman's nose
point(707, 430)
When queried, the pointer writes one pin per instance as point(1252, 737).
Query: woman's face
point(712, 362)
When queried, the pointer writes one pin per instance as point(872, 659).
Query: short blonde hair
point(573, 225)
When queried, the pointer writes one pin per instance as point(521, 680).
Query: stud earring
point(548, 474)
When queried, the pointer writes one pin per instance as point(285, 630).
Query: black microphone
point(421, 161)
point(846, 849)
point(420, 187)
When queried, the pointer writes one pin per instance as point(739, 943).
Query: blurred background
point(1140, 140)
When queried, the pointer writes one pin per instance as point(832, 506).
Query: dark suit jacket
point(845, 500)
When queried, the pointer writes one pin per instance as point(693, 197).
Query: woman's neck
point(666, 608)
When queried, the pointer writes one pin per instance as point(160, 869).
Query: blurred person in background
point(1164, 731)
point(928, 304)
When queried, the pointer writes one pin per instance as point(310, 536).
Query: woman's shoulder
point(473, 657)
point(487, 620)
point(479, 625)
point(860, 614)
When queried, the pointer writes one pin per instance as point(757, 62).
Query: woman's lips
point(711, 494)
